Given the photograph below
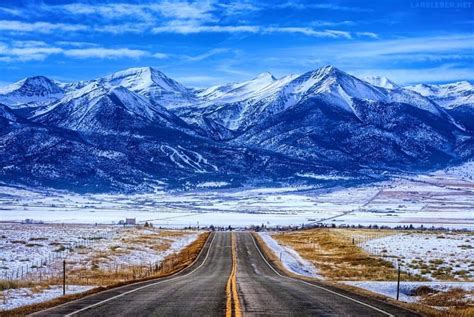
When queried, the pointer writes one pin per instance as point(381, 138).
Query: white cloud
point(308, 31)
point(208, 54)
point(106, 11)
point(325, 6)
point(104, 53)
point(11, 11)
point(26, 53)
point(122, 28)
point(332, 23)
point(39, 51)
point(39, 27)
point(198, 10)
point(199, 81)
point(75, 44)
point(368, 34)
point(160, 55)
point(193, 29)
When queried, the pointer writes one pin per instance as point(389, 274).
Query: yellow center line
point(233, 304)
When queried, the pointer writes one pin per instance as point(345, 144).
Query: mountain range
point(137, 129)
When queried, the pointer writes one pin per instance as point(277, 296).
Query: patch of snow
point(15, 298)
point(212, 184)
point(290, 258)
point(419, 251)
point(407, 289)
point(449, 95)
point(323, 177)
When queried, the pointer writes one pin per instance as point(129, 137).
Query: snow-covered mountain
point(449, 95)
point(26, 95)
point(228, 108)
point(457, 98)
point(236, 107)
point(152, 84)
point(96, 108)
point(134, 128)
point(381, 81)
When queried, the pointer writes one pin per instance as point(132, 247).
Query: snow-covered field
point(33, 254)
point(431, 255)
point(40, 248)
point(407, 289)
point(26, 296)
point(441, 199)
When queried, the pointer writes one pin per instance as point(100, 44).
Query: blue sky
point(201, 43)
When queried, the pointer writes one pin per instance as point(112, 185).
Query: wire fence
point(39, 267)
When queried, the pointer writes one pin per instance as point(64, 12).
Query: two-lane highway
point(203, 290)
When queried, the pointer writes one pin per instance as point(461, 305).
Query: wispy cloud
point(10, 11)
point(308, 31)
point(367, 34)
point(105, 11)
point(36, 51)
point(206, 55)
point(199, 81)
point(319, 23)
point(39, 27)
point(193, 29)
point(26, 53)
point(172, 17)
point(324, 6)
point(160, 55)
point(104, 53)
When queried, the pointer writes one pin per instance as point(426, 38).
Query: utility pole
point(398, 280)
point(64, 277)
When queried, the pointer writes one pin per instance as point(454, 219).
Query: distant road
point(201, 291)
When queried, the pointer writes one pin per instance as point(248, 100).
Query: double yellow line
point(233, 305)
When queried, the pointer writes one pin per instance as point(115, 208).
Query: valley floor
point(441, 199)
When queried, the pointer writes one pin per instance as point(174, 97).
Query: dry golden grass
point(453, 300)
point(337, 258)
point(13, 284)
point(173, 264)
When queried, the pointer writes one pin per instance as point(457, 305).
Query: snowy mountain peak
point(449, 95)
point(33, 86)
point(37, 89)
point(381, 81)
point(143, 78)
point(336, 85)
point(152, 84)
point(265, 76)
point(98, 108)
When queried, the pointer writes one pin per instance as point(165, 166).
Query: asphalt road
point(201, 291)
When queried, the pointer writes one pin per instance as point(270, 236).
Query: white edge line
point(317, 286)
point(136, 289)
